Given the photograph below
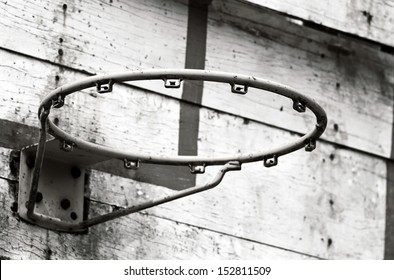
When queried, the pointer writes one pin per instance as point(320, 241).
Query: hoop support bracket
point(52, 186)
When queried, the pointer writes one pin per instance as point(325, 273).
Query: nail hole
point(73, 215)
point(75, 172)
point(65, 204)
point(39, 197)
point(338, 85)
point(332, 156)
point(331, 202)
point(60, 52)
point(60, 40)
point(56, 121)
point(336, 128)
point(57, 78)
point(329, 242)
point(64, 7)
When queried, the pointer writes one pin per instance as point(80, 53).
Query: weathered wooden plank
point(352, 81)
point(109, 37)
point(345, 76)
point(135, 237)
point(373, 20)
point(303, 203)
point(118, 119)
point(103, 121)
point(330, 203)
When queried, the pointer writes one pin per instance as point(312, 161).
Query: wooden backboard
point(336, 202)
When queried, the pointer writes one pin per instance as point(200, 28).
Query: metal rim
point(172, 79)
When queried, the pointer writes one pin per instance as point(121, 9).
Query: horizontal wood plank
point(352, 81)
point(347, 77)
point(317, 197)
point(329, 203)
point(309, 200)
point(373, 20)
point(118, 119)
point(98, 36)
point(135, 237)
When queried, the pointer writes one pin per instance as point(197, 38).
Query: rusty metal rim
point(270, 157)
point(177, 76)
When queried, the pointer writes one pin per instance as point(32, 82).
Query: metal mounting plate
point(61, 186)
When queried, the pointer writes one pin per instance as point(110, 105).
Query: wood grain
point(327, 204)
point(266, 204)
point(330, 203)
point(352, 81)
point(135, 237)
point(98, 36)
point(373, 20)
point(346, 76)
point(118, 119)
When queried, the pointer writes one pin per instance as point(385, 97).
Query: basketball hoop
point(239, 84)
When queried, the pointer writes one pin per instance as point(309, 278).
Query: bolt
point(65, 204)
point(75, 172)
point(73, 215)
